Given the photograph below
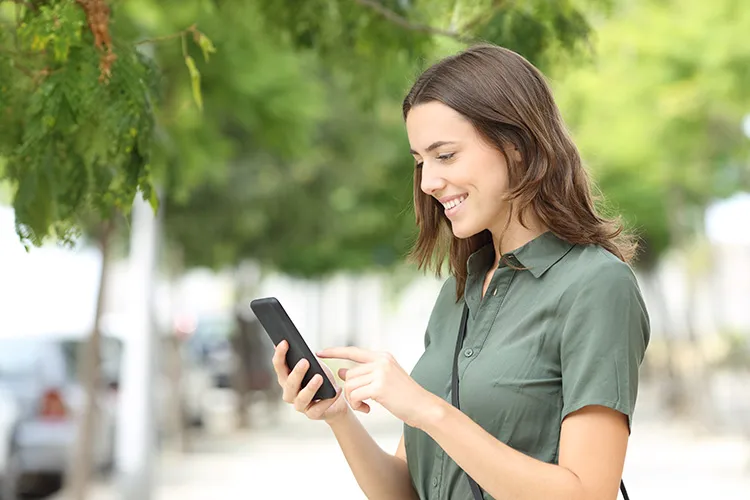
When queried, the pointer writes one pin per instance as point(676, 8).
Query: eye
point(445, 156)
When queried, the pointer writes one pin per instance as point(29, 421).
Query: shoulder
point(602, 294)
point(592, 270)
point(599, 288)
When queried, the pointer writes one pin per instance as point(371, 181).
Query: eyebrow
point(433, 146)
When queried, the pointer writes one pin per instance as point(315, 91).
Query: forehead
point(434, 121)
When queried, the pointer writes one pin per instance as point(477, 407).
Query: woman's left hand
point(380, 378)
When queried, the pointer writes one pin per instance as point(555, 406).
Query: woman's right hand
point(301, 397)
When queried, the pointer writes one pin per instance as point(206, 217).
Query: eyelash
point(442, 157)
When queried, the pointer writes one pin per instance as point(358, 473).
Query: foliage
point(64, 149)
point(341, 201)
point(658, 113)
point(279, 119)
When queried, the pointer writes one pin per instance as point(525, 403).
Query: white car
point(41, 373)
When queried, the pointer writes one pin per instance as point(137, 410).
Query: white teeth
point(454, 203)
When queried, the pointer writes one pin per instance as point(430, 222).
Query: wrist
point(340, 418)
point(432, 413)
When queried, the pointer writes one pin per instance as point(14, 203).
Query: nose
point(431, 181)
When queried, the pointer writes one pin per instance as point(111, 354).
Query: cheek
point(492, 180)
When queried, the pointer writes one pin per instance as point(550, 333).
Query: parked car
point(42, 373)
point(208, 346)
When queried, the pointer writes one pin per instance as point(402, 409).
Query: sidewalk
point(300, 459)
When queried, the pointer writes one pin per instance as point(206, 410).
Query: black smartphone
point(280, 327)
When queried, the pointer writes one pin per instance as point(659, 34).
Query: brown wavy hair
point(509, 103)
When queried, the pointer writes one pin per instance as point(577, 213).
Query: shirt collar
point(538, 255)
point(541, 253)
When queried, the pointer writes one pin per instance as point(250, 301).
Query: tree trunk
point(82, 465)
point(246, 280)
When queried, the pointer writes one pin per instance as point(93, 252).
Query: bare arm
point(379, 474)
point(593, 442)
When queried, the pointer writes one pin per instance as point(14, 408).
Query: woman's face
point(459, 169)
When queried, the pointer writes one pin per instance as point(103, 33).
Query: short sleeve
point(604, 339)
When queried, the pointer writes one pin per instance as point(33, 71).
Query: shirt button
point(434, 482)
point(469, 352)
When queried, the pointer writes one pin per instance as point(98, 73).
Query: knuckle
point(301, 404)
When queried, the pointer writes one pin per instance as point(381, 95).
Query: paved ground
point(299, 459)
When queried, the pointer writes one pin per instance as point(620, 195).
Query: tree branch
point(406, 24)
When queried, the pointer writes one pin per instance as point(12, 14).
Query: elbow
point(576, 489)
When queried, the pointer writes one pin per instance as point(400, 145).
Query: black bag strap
point(475, 489)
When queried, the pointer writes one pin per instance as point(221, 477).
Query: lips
point(453, 206)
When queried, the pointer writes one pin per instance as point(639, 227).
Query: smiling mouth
point(454, 203)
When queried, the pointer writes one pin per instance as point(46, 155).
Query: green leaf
point(206, 45)
point(195, 81)
point(153, 199)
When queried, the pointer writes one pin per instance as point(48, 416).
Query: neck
point(507, 239)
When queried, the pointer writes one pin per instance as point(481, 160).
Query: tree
point(67, 152)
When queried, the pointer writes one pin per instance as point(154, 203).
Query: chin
point(464, 231)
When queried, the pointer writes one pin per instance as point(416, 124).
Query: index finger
point(351, 353)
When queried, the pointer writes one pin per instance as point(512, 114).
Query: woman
point(556, 326)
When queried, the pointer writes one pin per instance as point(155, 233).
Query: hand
point(327, 409)
point(380, 378)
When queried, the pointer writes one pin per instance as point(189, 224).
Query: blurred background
point(163, 163)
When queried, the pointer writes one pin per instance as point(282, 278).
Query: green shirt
point(567, 331)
